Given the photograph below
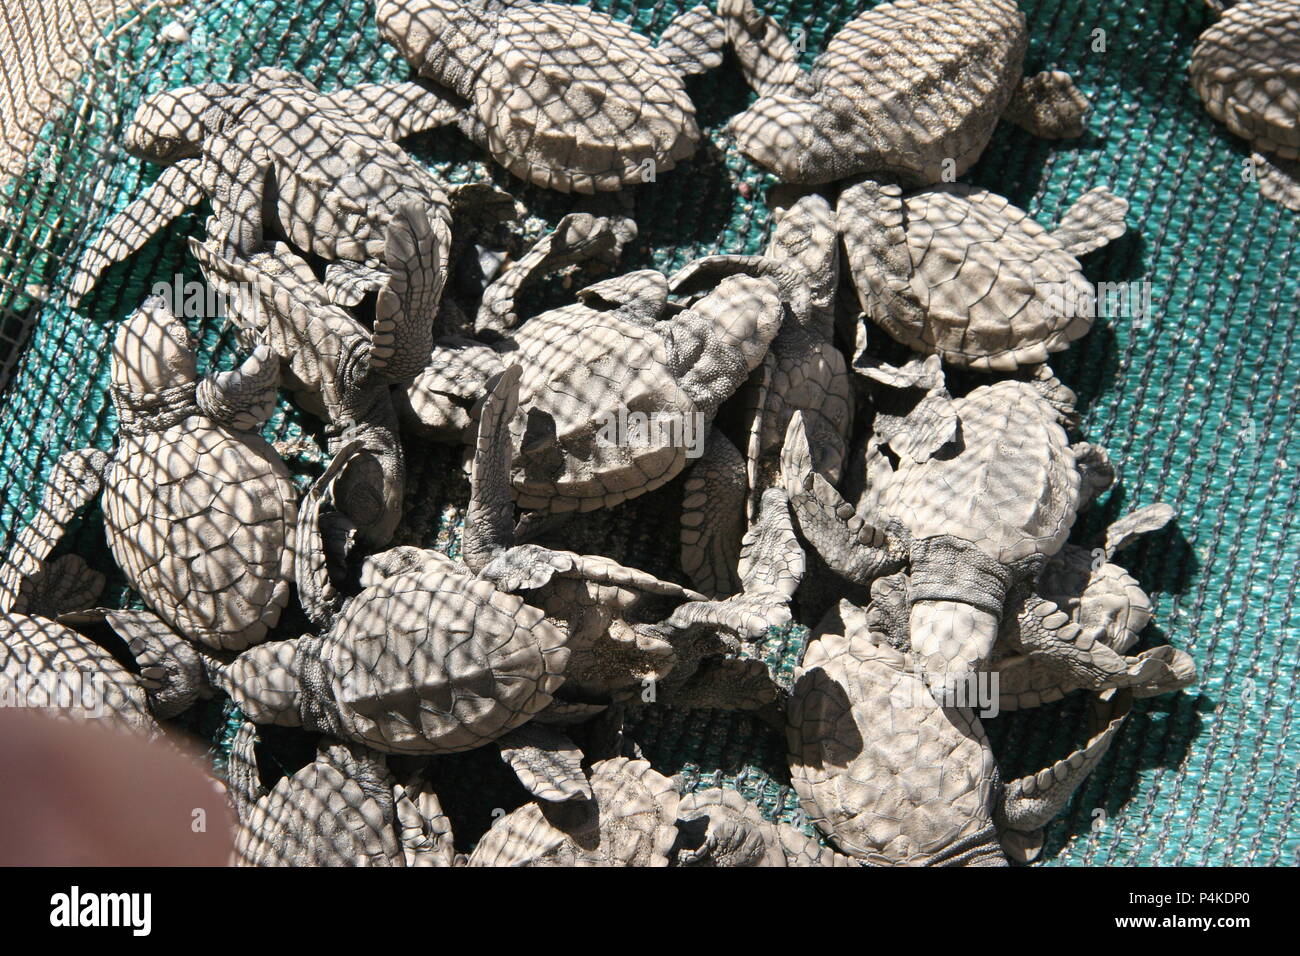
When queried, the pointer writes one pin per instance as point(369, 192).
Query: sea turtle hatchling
point(960, 272)
point(562, 96)
point(893, 778)
point(279, 158)
point(199, 509)
point(432, 656)
point(973, 521)
point(1245, 69)
point(618, 395)
point(630, 820)
point(910, 89)
point(343, 809)
point(44, 661)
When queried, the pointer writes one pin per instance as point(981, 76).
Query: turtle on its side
point(343, 809)
point(279, 159)
point(910, 90)
point(1246, 69)
point(562, 96)
point(894, 778)
point(199, 510)
point(959, 272)
point(40, 652)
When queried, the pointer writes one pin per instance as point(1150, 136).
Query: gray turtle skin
point(1244, 70)
point(910, 89)
point(630, 820)
point(961, 273)
point(343, 809)
point(895, 779)
point(278, 158)
point(39, 599)
point(624, 350)
point(562, 96)
point(720, 828)
point(337, 366)
point(199, 510)
point(973, 521)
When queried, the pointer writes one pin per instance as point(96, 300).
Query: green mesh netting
point(1196, 401)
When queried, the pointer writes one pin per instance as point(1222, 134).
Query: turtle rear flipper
point(1096, 218)
point(1029, 802)
point(546, 762)
point(1048, 104)
point(177, 189)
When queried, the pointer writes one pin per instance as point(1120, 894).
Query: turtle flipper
point(871, 217)
point(423, 829)
point(767, 57)
point(1096, 218)
point(401, 109)
point(325, 538)
point(578, 237)
point(850, 545)
point(74, 481)
point(1049, 105)
point(713, 517)
point(490, 520)
point(171, 671)
point(694, 41)
point(1029, 802)
point(1279, 179)
point(1127, 529)
point(243, 782)
point(177, 189)
point(242, 398)
point(916, 432)
point(547, 763)
point(347, 283)
point(243, 165)
point(407, 306)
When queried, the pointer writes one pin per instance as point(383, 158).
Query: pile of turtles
point(869, 437)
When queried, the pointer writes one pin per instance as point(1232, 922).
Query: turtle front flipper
point(849, 544)
point(171, 671)
point(325, 539)
point(1049, 105)
point(177, 189)
point(1096, 218)
point(578, 237)
point(401, 109)
point(242, 166)
point(694, 41)
point(546, 761)
point(75, 480)
point(713, 517)
point(407, 305)
point(767, 57)
point(871, 217)
point(242, 398)
point(1029, 802)
point(423, 830)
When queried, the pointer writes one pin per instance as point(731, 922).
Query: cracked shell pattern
point(990, 280)
point(33, 649)
point(201, 521)
point(1246, 68)
point(1013, 488)
point(439, 662)
point(931, 76)
point(575, 101)
point(631, 821)
point(566, 396)
point(890, 776)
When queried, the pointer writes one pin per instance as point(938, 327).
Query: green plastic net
point(1196, 400)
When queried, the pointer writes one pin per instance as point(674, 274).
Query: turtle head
point(265, 681)
point(804, 139)
point(445, 40)
point(152, 351)
point(169, 125)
